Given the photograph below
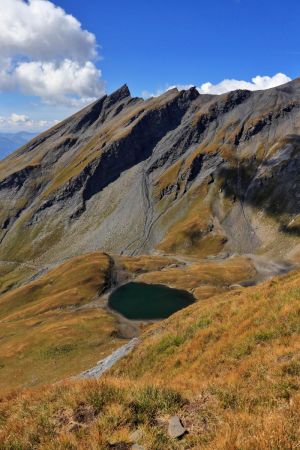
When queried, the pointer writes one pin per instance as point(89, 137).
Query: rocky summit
point(183, 173)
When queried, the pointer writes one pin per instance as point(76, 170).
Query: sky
point(58, 56)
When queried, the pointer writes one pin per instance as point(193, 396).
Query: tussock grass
point(84, 415)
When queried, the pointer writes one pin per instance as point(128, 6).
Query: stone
point(137, 447)
point(136, 436)
point(175, 428)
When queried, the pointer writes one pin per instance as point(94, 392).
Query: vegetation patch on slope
point(47, 330)
point(204, 278)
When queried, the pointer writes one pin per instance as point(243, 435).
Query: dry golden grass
point(204, 278)
point(239, 354)
point(13, 274)
point(47, 333)
point(136, 265)
point(229, 366)
point(194, 233)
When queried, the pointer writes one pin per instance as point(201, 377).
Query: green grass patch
point(98, 398)
point(150, 401)
point(293, 369)
point(57, 351)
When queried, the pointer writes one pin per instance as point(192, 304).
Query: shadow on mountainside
point(272, 186)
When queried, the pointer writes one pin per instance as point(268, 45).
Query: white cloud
point(18, 118)
point(147, 94)
point(45, 52)
point(43, 31)
point(59, 83)
point(21, 122)
point(256, 83)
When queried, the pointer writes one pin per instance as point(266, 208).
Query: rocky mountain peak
point(119, 95)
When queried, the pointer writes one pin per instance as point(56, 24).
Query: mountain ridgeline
point(183, 173)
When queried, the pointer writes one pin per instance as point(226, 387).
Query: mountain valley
point(194, 192)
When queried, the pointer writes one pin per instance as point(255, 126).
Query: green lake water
point(148, 301)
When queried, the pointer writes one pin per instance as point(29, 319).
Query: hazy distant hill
point(11, 141)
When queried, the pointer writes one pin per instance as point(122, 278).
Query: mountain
point(199, 193)
point(11, 141)
point(182, 173)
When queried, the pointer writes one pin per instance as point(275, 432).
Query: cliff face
point(181, 173)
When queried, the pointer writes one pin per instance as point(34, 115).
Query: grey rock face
point(175, 428)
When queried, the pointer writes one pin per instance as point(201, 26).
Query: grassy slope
point(46, 334)
point(204, 278)
point(229, 366)
point(14, 274)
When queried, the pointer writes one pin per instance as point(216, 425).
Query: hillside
point(228, 366)
point(59, 324)
point(47, 332)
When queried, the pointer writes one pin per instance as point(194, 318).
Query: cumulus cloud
point(18, 122)
point(18, 118)
point(46, 52)
point(43, 31)
point(256, 83)
point(68, 82)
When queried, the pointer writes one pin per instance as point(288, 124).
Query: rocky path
point(106, 363)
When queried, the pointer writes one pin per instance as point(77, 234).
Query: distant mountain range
point(11, 141)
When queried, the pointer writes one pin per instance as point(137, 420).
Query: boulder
point(175, 428)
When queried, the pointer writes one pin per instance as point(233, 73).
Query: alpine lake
point(141, 301)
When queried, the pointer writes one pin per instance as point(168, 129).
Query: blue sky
point(50, 68)
point(150, 44)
